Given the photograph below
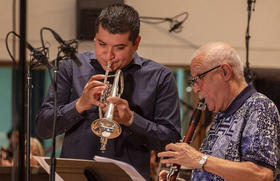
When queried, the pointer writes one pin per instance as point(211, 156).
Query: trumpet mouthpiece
point(108, 64)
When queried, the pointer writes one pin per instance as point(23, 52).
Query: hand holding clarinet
point(182, 153)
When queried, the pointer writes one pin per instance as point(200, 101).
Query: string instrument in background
point(174, 169)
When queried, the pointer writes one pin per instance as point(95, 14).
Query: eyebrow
point(117, 45)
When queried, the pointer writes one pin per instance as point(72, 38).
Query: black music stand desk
point(88, 170)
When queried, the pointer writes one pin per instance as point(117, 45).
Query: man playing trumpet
point(147, 111)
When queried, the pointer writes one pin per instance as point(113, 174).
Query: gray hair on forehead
point(216, 53)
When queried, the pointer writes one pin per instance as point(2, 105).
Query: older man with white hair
point(244, 139)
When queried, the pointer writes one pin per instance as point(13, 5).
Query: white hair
point(215, 53)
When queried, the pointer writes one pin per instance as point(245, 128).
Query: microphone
point(38, 55)
point(66, 47)
point(70, 51)
point(250, 3)
point(176, 26)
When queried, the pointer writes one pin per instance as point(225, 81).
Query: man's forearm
point(232, 171)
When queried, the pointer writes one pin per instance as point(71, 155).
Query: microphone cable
point(175, 24)
point(68, 48)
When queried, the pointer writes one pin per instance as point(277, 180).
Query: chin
point(210, 108)
point(114, 67)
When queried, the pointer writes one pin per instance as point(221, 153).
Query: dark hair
point(119, 18)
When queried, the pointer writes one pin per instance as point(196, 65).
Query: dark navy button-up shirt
point(151, 92)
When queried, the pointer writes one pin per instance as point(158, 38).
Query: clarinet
point(174, 169)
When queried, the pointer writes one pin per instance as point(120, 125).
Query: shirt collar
point(239, 100)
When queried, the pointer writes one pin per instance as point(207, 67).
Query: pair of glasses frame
point(201, 75)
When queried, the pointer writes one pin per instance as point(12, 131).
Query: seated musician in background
point(7, 155)
point(36, 149)
point(148, 109)
point(243, 142)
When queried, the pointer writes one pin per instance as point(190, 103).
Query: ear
point(94, 40)
point(227, 71)
point(137, 42)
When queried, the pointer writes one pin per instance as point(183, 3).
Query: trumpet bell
point(106, 128)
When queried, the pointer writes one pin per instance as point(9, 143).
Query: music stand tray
point(91, 170)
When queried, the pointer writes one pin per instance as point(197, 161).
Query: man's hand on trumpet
point(91, 93)
point(122, 113)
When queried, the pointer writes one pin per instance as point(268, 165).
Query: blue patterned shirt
point(249, 130)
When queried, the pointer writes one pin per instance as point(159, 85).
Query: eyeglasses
point(200, 76)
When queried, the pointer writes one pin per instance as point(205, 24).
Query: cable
point(175, 24)
point(248, 72)
point(68, 48)
point(7, 46)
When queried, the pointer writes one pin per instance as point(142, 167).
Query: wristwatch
point(202, 162)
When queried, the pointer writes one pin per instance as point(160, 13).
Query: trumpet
point(105, 127)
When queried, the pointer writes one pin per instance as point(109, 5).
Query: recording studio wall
point(87, 12)
point(267, 81)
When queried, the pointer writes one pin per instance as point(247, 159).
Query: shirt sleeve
point(261, 135)
point(67, 116)
point(165, 126)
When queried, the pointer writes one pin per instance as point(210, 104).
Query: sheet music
point(130, 170)
point(46, 166)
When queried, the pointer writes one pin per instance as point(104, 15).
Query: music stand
point(85, 170)
point(36, 174)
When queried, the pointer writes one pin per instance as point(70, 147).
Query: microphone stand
point(29, 87)
point(248, 72)
point(28, 116)
point(38, 55)
point(54, 82)
point(53, 158)
point(69, 52)
point(21, 122)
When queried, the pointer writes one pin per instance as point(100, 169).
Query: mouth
point(202, 97)
point(112, 65)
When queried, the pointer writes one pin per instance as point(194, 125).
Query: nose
point(109, 54)
point(196, 88)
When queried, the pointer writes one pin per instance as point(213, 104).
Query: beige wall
point(209, 20)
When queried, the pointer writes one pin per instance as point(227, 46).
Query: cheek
point(210, 92)
point(100, 60)
point(214, 97)
point(124, 57)
point(99, 55)
point(213, 92)
point(121, 56)
point(98, 50)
